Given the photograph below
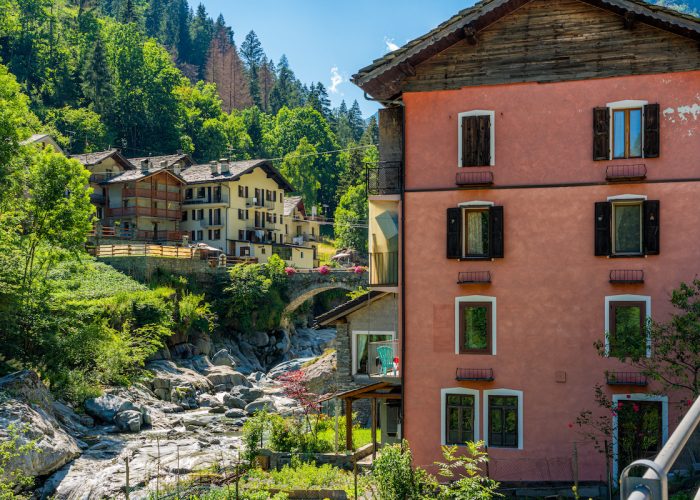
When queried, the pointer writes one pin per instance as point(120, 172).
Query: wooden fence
point(142, 250)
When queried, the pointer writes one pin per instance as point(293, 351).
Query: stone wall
point(144, 268)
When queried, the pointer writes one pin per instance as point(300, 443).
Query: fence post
point(158, 468)
point(126, 489)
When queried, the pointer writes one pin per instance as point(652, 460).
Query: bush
point(10, 450)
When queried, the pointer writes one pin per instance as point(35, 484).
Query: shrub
point(394, 474)
point(10, 450)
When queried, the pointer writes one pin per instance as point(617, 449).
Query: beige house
point(300, 228)
point(44, 140)
point(239, 208)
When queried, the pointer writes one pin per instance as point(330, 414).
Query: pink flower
point(619, 405)
point(635, 407)
point(689, 402)
point(324, 270)
point(290, 271)
point(358, 269)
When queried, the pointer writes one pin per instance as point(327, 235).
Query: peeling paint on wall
point(684, 112)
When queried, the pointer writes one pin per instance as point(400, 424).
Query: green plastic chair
point(386, 355)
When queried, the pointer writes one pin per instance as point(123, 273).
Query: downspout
point(403, 271)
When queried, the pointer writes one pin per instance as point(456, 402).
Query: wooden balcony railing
point(152, 194)
point(161, 213)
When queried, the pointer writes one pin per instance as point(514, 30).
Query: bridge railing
point(654, 484)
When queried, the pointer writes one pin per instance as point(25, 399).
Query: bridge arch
point(306, 286)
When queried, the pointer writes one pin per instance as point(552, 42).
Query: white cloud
point(336, 79)
point(390, 45)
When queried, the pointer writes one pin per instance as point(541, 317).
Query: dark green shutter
point(601, 134)
point(651, 131)
point(497, 245)
point(454, 233)
point(603, 240)
point(652, 241)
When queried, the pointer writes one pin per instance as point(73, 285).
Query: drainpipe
point(403, 271)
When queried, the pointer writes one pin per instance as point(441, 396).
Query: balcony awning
point(380, 390)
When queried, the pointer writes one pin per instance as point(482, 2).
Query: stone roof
point(290, 203)
point(91, 159)
point(351, 306)
point(35, 138)
point(397, 64)
point(198, 174)
point(169, 160)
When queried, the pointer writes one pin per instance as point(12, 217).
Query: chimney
point(214, 168)
point(224, 165)
point(144, 165)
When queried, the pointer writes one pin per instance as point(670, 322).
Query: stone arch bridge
point(305, 285)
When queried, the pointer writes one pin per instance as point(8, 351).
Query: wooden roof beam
point(470, 34)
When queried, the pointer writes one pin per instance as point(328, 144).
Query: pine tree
point(225, 68)
point(184, 43)
point(154, 19)
point(202, 32)
point(252, 52)
point(97, 80)
point(287, 90)
point(355, 121)
point(128, 12)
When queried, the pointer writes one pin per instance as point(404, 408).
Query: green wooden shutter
point(497, 245)
point(652, 241)
point(601, 134)
point(651, 131)
point(603, 240)
point(454, 233)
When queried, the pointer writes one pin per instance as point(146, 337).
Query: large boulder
point(129, 421)
point(223, 358)
point(225, 377)
point(167, 376)
point(27, 415)
point(320, 375)
point(235, 413)
point(106, 407)
point(260, 404)
point(202, 343)
point(259, 339)
point(231, 401)
point(247, 394)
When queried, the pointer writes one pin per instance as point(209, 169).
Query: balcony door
point(366, 359)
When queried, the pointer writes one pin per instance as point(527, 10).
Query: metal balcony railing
point(384, 269)
point(470, 178)
point(625, 172)
point(626, 276)
point(203, 201)
point(626, 378)
point(384, 358)
point(473, 277)
point(384, 178)
point(474, 374)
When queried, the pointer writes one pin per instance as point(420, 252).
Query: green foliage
point(298, 168)
point(351, 219)
point(11, 448)
point(82, 129)
point(305, 476)
point(462, 475)
point(255, 296)
point(254, 430)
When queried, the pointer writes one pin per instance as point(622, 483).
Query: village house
point(299, 227)
point(530, 151)
point(43, 140)
point(239, 208)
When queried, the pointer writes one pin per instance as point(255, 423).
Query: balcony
point(255, 202)
point(383, 359)
point(626, 276)
point(384, 179)
point(99, 178)
point(384, 269)
point(160, 213)
point(474, 278)
point(151, 194)
point(214, 223)
point(474, 178)
point(270, 205)
point(214, 200)
point(626, 378)
point(621, 173)
point(474, 375)
point(161, 235)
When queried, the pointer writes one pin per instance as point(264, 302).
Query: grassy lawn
point(360, 437)
point(326, 250)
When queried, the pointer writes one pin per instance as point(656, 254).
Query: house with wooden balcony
point(103, 166)
point(144, 203)
point(238, 207)
point(530, 151)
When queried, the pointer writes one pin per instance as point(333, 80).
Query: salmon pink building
point(537, 194)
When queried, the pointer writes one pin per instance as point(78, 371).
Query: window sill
point(466, 259)
point(475, 353)
point(628, 256)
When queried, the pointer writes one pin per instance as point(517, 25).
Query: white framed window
point(474, 148)
point(471, 328)
point(651, 403)
point(459, 412)
point(503, 418)
point(362, 351)
point(627, 319)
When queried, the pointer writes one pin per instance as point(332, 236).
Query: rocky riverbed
point(186, 417)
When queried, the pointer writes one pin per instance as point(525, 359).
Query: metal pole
point(126, 489)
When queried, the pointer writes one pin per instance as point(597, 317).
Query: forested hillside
point(154, 77)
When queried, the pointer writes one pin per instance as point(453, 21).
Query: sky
point(330, 41)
